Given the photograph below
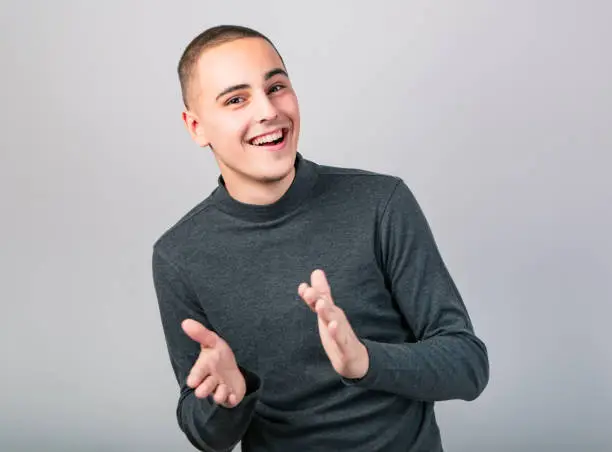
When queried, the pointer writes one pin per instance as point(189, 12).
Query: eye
point(234, 100)
point(276, 88)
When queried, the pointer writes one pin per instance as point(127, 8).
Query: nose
point(264, 109)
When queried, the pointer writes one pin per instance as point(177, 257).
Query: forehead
point(244, 60)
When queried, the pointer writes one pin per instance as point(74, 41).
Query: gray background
point(497, 115)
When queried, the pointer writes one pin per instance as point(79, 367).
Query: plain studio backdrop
point(496, 114)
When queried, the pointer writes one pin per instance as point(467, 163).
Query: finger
point(310, 296)
point(318, 280)
point(329, 344)
point(232, 400)
point(326, 310)
point(302, 288)
point(196, 377)
point(199, 371)
point(221, 394)
point(199, 333)
point(338, 326)
point(207, 387)
point(334, 333)
point(340, 334)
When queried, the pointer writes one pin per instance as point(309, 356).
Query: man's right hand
point(215, 371)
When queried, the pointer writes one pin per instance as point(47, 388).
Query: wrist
point(362, 363)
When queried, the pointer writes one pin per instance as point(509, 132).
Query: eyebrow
point(268, 75)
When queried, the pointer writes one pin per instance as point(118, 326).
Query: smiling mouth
point(270, 139)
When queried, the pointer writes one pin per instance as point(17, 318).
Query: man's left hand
point(347, 354)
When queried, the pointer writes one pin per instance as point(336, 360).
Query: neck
point(259, 201)
point(257, 192)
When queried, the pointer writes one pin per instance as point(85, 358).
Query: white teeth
point(267, 138)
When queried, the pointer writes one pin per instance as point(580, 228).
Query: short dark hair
point(211, 37)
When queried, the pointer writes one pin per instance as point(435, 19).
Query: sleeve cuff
point(374, 354)
point(253, 385)
point(253, 382)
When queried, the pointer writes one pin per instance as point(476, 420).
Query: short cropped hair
point(209, 38)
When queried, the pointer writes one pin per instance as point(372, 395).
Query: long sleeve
point(447, 361)
point(208, 426)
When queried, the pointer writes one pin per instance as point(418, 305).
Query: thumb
point(199, 333)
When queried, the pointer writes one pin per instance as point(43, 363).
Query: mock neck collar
point(300, 188)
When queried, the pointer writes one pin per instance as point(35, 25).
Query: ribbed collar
point(301, 187)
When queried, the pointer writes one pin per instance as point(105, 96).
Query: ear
point(195, 129)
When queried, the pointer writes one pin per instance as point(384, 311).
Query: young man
point(305, 307)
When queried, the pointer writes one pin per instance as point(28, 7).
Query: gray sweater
point(236, 268)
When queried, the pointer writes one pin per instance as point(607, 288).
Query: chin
point(275, 177)
point(278, 170)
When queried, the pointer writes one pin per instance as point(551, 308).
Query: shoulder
point(359, 183)
point(183, 230)
point(355, 175)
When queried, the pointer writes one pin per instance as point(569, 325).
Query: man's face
point(242, 104)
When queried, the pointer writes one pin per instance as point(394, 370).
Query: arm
point(448, 361)
point(208, 426)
